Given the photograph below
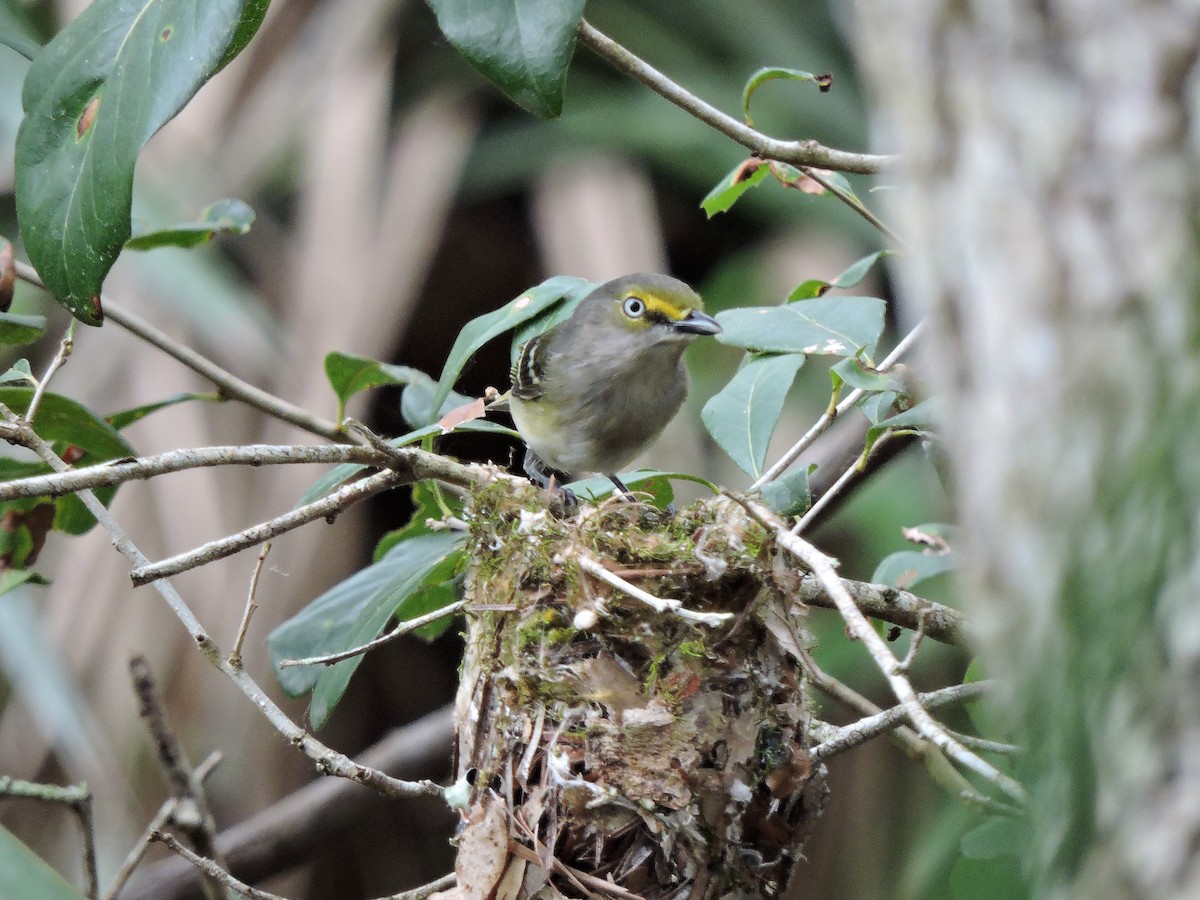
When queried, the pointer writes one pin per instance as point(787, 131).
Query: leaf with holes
point(742, 417)
point(92, 99)
point(521, 46)
point(730, 188)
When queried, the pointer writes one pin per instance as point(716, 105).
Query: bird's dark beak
point(697, 322)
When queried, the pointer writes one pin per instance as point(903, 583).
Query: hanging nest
point(608, 748)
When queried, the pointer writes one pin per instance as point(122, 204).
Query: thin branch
point(420, 893)
point(327, 506)
point(79, 799)
point(985, 745)
point(822, 424)
point(165, 815)
point(853, 202)
point(888, 604)
point(913, 648)
point(212, 870)
point(328, 761)
point(200, 828)
point(290, 830)
point(674, 607)
point(65, 346)
point(853, 735)
point(227, 383)
point(399, 631)
point(860, 629)
point(235, 655)
point(799, 153)
point(849, 474)
point(123, 470)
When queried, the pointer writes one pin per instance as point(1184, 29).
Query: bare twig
point(327, 506)
point(799, 153)
point(228, 384)
point(859, 628)
point(853, 202)
point(420, 893)
point(79, 799)
point(890, 605)
point(583, 879)
point(165, 815)
point(849, 736)
point(399, 631)
point(292, 829)
point(984, 745)
point(212, 870)
point(822, 424)
point(199, 827)
point(918, 636)
point(65, 346)
point(327, 761)
point(674, 607)
point(123, 470)
point(235, 655)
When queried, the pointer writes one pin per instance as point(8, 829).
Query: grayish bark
point(1051, 202)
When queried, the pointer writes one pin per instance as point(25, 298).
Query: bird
point(593, 391)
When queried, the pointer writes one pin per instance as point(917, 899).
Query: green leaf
point(76, 431)
point(762, 76)
point(742, 417)
point(877, 407)
point(127, 417)
point(987, 879)
point(651, 481)
point(425, 507)
point(480, 330)
point(25, 874)
point(853, 274)
point(253, 13)
point(92, 98)
point(730, 188)
point(521, 46)
point(922, 418)
point(854, 372)
point(15, 329)
point(10, 579)
point(996, 837)
point(351, 614)
point(826, 325)
point(560, 312)
point(789, 495)
point(349, 374)
point(643, 481)
point(908, 568)
point(19, 373)
point(223, 217)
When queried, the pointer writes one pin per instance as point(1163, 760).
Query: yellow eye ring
point(634, 307)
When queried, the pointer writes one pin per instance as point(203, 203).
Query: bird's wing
point(526, 372)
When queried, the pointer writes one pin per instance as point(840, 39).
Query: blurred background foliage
point(398, 196)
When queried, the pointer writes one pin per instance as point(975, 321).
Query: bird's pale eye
point(633, 307)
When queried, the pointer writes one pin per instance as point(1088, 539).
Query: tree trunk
point(1050, 200)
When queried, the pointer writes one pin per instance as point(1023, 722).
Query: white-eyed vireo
point(596, 389)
